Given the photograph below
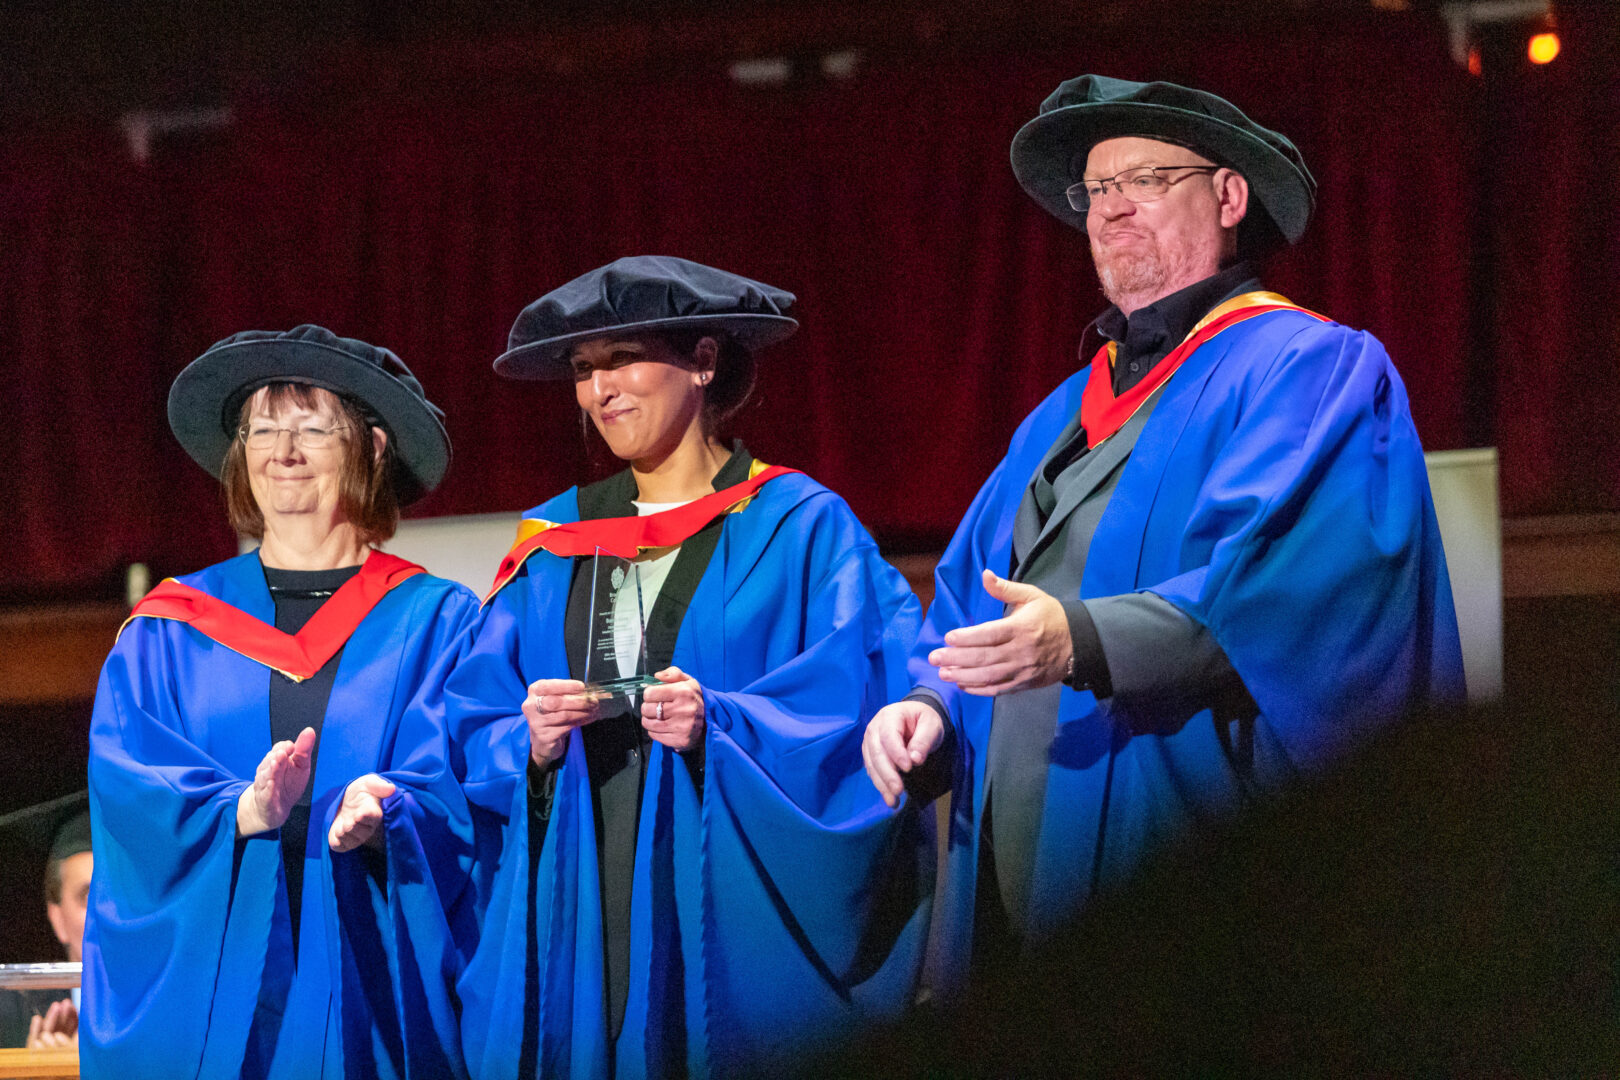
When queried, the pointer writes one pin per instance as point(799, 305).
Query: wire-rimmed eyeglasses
point(1139, 185)
point(309, 437)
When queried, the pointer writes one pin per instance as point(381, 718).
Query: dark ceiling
point(98, 58)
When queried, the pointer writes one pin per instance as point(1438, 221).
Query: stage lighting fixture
point(1466, 18)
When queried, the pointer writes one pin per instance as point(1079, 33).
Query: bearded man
point(1209, 561)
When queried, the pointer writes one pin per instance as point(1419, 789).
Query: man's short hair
point(71, 838)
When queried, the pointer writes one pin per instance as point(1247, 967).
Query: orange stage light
point(1543, 48)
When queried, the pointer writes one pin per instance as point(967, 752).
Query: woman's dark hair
point(366, 484)
point(733, 382)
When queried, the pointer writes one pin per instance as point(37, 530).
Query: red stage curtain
point(1553, 178)
point(938, 303)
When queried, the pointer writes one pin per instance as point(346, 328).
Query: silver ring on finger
point(660, 712)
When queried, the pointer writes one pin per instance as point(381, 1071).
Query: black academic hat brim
point(48, 830)
point(642, 294)
point(207, 396)
point(548, 359)
point(1086, 111)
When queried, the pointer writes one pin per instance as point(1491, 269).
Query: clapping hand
point(899, 738)
point(361, 814)
point(57, 1029)
point(277, 786)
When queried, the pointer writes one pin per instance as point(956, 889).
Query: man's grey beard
point(1139, 278)
point(1127, 276)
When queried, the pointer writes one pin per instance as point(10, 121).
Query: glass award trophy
point(618, 628)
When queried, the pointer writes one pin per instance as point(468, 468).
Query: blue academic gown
point(777, 903)
point(1277, 495)
point(188, 966)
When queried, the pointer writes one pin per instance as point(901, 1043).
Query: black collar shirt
point(1148, 335)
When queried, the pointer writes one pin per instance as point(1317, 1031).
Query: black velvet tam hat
point(48, 830)
point(1083, 112)
point(206, 398)
point(642, 294)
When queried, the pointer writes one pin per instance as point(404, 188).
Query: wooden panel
point(919, 574)
point(39, 1064)
point(1575, 555)
point(54, 653)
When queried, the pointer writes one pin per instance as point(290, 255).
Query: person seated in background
point(60, 831)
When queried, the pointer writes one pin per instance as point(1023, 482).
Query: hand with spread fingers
point(554, 708)
point(672, 711)
point(899, 738)
point(360, 816)
point(277, 786)
point(1029, 647)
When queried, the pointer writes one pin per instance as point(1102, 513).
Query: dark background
point(414, 174)
point(1446, 904)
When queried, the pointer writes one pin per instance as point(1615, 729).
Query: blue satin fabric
point(188, 966)
point(775, 907)
point(1278, 496)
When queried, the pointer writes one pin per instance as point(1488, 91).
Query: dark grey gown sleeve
point(1154, 658)
point(1138, 649)
point(1090, 668)
point(542, 789)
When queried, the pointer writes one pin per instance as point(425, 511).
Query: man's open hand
point(1028, 647)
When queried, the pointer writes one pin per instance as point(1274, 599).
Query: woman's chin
point(289, 511)
point(623, 449)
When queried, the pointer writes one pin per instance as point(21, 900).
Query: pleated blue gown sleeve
point(1309, 547)
point(983, 539)
point(516, 640)
point(405, 922)
point(174, 909)
point(188, 954)
point(806, 874)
